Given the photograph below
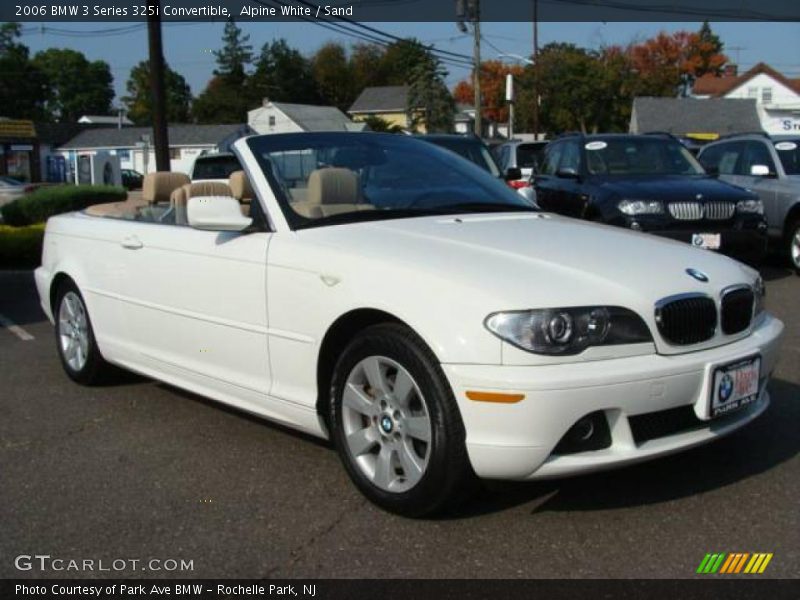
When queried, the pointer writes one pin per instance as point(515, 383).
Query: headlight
point(564, 331)
point(641, 207)
point(750, 206)
point(760, 293)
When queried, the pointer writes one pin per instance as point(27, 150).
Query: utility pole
point(536, 69)
point(160, 135)
point(475, 13)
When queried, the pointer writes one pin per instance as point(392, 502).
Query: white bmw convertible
point(386, 294)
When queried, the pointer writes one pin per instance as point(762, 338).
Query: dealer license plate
point(735, 386)
point(709, 241)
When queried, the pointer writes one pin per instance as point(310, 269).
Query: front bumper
point(516, 441)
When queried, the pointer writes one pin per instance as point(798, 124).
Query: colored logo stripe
point(734, 563)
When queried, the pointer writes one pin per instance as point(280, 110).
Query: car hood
point(519, 260)
point(672, 188)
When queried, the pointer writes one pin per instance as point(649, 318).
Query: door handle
point(132, 242)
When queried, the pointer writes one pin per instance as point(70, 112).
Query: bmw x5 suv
point(650, 183)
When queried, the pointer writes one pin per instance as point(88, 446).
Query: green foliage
point(282, 74)
point(429, 100)
point(48, 201)
point(379, 125)
point(235, 55)
point(23, 87)
point(77, 86)
point(21, 247)
point(332, 74)
point(139, 101)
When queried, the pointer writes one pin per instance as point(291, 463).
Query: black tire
point(792, 233)
point(448, 477)
point(94, 369)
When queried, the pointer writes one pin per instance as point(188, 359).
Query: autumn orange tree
point(493, 89)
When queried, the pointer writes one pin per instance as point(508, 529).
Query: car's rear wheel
point(77, 347)
point(793, 245)
point(396, 423)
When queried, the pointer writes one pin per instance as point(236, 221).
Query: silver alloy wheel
point(386, 423)
point(73, 331)
point(795, 248)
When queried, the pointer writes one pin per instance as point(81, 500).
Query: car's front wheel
point(396, 424)
point(793, 245)
point(77, 347)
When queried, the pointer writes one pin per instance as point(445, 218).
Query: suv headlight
point(640, 207)
point(750, 206)
point(564, 331)
point(760, 293)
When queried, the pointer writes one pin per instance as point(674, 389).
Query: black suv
point(650, 183)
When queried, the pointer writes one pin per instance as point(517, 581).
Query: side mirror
point(216, 213)
point(513, 173)
point(759, 171)
point(567, 173)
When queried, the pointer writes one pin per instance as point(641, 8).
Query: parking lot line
point(18, 331)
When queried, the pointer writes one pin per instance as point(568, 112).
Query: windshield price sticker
point(786, 146)
point(596, 146)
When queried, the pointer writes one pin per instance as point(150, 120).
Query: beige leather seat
point(241, 189)
point(158, 187)
point(180, 197)
point(331, 191)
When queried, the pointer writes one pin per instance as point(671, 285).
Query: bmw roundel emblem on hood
point(699, 275)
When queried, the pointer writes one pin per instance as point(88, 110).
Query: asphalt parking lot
point(141, 470)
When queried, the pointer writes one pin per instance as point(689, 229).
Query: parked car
point(650, 183)
point(405, 303)
point(214, 167)
point(474, 150)
point(771, 169)
point(131, 179)
point(516, 154)
point(11, 189)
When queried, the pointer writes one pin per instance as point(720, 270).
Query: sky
point(188, 46)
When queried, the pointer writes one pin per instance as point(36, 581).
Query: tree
point(139, 101)
point(77, 87)
point(705, 53)
point(282, 74)
point(226, 98)
point(493, 89)
point(367, 66)
point(333, 76)
point(379, 125)
point(400, 58)
point(23, 87)
point(235, 55)
point(429, 100)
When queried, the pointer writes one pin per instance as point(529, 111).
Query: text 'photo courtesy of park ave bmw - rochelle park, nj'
point(322, 299)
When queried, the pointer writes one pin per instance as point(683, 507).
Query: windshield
point(529, 155)
point(326, 178)
point(789, 153)
point(215, 167)
point(640, 156)
point(473, 151)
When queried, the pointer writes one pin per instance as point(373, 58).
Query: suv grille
point(737, 310)
point(687, 320)
point(695, 211)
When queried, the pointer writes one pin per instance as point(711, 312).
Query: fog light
point(587, 433)
point(635, 226)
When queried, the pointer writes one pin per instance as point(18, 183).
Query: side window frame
point(553, 154)
point(749, 147)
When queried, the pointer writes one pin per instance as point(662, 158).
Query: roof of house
point(692, 115)
point(104, 120)
point(316, 118)
point(388, 98)
point(711, 85)
point(179, 135)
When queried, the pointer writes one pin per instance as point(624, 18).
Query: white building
point(283, 117)
point(777, 96)
point(133, 146)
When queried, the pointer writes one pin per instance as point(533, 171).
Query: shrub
point(45, 202)
point(21, 247)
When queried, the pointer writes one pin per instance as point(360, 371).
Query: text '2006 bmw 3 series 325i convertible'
point(386, 294)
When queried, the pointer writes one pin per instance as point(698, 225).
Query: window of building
point(752, 92)
point(766, 95)
point(272, 120)
point(175, 153)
